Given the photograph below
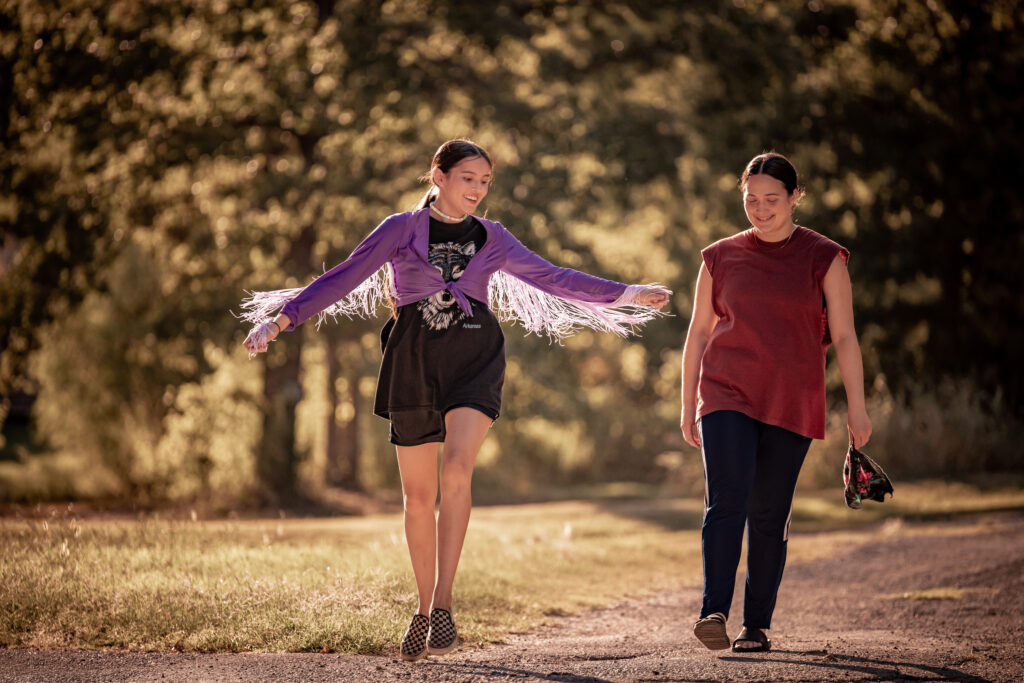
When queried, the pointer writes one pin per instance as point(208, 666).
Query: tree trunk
point(282, 391)
point(275, 464)
point(343, 419)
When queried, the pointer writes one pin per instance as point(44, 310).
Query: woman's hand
point(859, 426)
point(654, 296)
point(688, 425)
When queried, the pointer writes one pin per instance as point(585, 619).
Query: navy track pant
point(750, 473)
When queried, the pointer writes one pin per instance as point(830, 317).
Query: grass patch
point(946, 593)
point(303, 585)
point(345, 585)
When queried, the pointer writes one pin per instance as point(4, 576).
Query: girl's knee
point(728, 501)
point(456, 473)
point(419, 499)
point(770, 524)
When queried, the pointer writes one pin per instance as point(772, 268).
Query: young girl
point(443, 352)
point(769, 301)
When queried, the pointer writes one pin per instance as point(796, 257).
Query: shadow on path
point(472, 671)
point(882, 669)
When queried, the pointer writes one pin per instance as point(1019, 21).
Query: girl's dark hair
point(447, 156)
point(778, 167)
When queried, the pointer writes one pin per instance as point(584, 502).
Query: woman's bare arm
point(702, 322)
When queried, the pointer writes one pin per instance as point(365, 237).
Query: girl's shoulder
point(712, 254)
point(815, 238)
point(403, 223)
point(821, 251)
point(402, 218)
point(740, 240)
point(505, 239)
point(487, 223)
point(821, 246)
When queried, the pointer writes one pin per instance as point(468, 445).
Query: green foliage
point(160, 158)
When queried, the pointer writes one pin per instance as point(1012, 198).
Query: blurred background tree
point(161, 158)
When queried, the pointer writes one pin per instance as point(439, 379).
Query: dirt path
point(857, 612)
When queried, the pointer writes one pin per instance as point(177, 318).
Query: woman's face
point(768, 206)
point(464, 186)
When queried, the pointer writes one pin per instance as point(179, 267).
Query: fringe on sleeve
point(363, 301)
point(511, 299)
point(558, 318)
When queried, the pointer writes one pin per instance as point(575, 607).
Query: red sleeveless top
point(766, 354)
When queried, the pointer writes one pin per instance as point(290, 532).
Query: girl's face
point(463, 187)
point(768, 206)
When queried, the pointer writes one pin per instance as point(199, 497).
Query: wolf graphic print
point(441, 311)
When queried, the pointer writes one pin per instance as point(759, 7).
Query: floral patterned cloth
point(864, 479)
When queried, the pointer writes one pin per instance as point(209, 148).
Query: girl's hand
point(688, 425)
point(859, 426)
point(260, 336)
point(654, 296)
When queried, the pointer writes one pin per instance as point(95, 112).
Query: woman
point(768, 302)
point(443, 352)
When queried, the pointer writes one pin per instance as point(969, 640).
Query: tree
point(159, 159)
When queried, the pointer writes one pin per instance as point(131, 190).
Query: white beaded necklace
point(442, 214)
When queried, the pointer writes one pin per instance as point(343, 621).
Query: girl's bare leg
point(466, 429)
point(418, 467)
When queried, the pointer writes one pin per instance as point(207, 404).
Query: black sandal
point(752, 635)
point(710, 631)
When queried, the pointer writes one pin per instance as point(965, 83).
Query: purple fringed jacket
point(566, 298)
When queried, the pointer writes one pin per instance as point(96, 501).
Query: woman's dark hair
point(778, 167)
point(445, 158)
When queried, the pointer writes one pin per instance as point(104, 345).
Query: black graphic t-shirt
point(451, 247)
point(435, 356)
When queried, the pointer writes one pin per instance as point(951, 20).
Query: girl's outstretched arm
point(556, 280)
point(372, 253)
point(548, 299)
point(298, 305)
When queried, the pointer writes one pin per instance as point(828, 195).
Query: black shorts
point(425, 372)
point(425, 425)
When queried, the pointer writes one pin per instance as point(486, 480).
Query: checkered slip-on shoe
point(443, 636)
point(414, 642)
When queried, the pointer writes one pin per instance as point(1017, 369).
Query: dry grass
point(301, 585)
point(954, 430)
point(345, 585)
point(943, 593)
